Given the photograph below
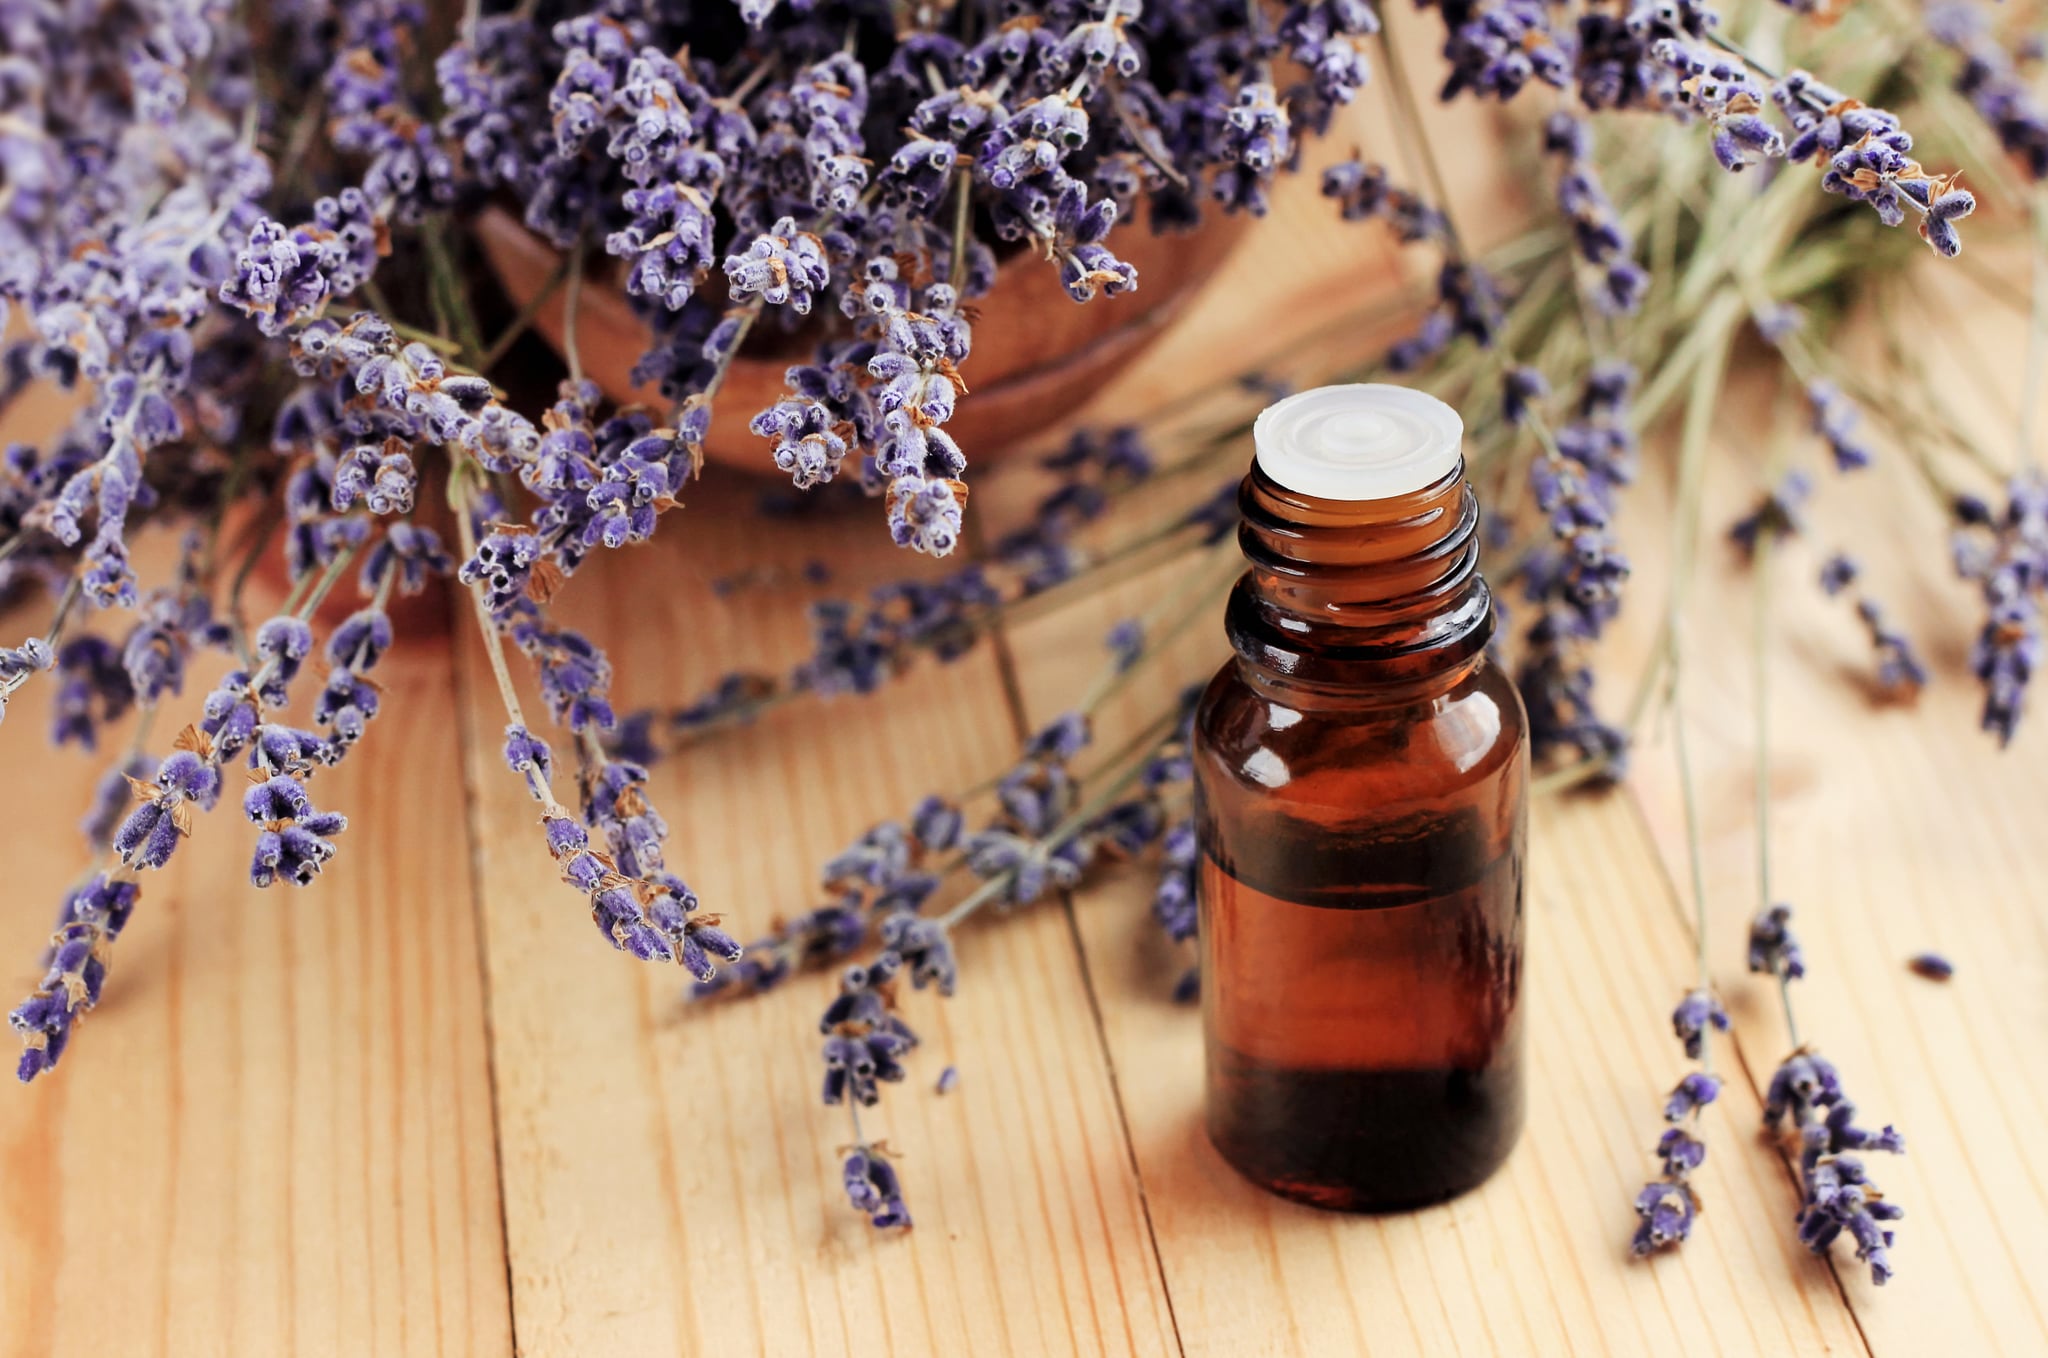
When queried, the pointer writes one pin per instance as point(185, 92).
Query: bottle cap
point(1366, 441)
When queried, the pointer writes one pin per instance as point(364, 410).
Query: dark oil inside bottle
point(1368, 1057)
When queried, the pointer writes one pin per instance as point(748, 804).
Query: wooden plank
point(1537, 1260)
point(274, 1134)
point(1897, 830)
point(671, 1177)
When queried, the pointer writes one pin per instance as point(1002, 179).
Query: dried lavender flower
point(874, 1189)
point(1806, 1097)
point(2004, 553)
point(1695, 1014)
point(1931, 965)
point(1773, 948)
point(1667, 1209)
point(1780, 512)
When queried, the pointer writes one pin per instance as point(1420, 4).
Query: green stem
point(572, 303)
point(963, 204)
point(523, 321)
point(448, 283)
point(1761, 566)
point(1695, 857)
point(1178, 613)
point(326, 583)
point(2037, 330)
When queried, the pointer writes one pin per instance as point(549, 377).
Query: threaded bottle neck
point(1345, 592)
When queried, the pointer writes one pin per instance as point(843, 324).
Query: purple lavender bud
point(1802, 1088)
point(1899, 669)
point(295, 853)
point(1931, 965)
point(783, 267)
point(360, 640)
point(92, 688)
point(924, 948)
point(1837, 573)
point(1521, 387)
point(1681, 1152)
point(935, 824)
point(1744, 139)
point(1835, 418)
point(2006, 653)
point(414, 553)
point(925, 513)
point(504, 565)
point(1773, 948)
point(1667, 1211)
point(1780, 512)
point(1691, 1094)
point(1089, 268)
point(18, 662)
point(565, 837)
point(878, 858)
point(1126, 643)
point(278, 798)
point(229, 715)
point(111, 796)
point(1060, 739)
point(871, 1183)
point(1776, 321)
point(1695, 1014)
point(808, 444)
point(1173, 899)
point(1129, 826)
point(527, 755)
point(282, 645)
point(148, 837)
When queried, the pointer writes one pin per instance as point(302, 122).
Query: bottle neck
point(1343, 595)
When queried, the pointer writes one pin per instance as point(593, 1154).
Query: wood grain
point(274, 1134)
point(1898, 829)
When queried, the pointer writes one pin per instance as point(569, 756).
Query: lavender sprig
point(1988, 78)
point(2005, 553)
point(639, 906)
point(1805, 1094)
point(94, 914)
point(1574, 583)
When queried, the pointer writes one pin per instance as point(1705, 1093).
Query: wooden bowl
point(1038, 354)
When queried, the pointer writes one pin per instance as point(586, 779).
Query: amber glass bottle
point(1361, 771)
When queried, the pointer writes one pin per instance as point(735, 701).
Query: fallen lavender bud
point(1931, 965)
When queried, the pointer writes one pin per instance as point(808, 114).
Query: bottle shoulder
point(1326, 747)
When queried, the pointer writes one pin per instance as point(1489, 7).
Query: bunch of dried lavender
point(207, 247)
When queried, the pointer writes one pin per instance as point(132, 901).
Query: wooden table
point(420, 1109)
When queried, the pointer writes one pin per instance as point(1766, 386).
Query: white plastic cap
point(1366, 441)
